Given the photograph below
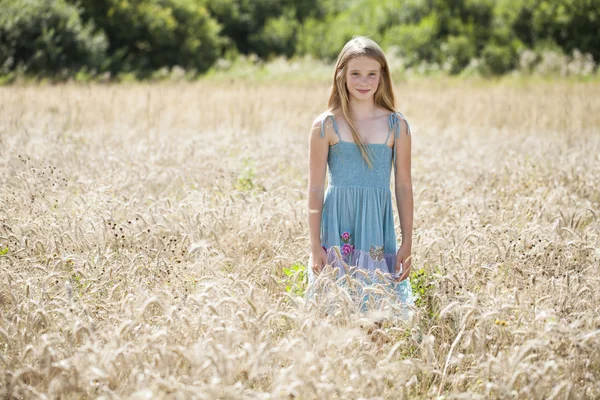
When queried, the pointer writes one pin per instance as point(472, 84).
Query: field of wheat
point(153, 240)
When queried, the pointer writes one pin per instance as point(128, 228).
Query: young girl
point(360, 137)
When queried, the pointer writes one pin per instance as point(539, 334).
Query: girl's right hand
point(319, 259)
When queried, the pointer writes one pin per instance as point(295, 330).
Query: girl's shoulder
point(322, 117)
point(324, 122)
point(399, 123)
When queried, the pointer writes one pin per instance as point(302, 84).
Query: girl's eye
point(372, 74)
point(355, 74)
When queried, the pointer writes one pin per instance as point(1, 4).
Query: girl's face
point(362, 77)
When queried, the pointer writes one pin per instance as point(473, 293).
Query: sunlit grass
point(152, 238)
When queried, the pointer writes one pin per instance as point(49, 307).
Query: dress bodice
point(348, 168)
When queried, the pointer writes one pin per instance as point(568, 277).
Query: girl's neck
point(362, 109)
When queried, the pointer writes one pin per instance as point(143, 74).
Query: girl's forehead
point(363, 62)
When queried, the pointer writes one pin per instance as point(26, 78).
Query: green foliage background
point(64, 37)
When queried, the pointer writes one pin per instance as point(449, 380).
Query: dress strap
point(394, 124)
point(335, 126)
point(391, 125)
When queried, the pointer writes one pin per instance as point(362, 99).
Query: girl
point(360, 138)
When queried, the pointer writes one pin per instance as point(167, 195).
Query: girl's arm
point(404, 196)
point(317, 166)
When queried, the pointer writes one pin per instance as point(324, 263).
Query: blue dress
point(357, 223)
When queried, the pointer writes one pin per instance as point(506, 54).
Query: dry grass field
point(153, 237)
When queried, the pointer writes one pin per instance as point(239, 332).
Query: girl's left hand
point(403, 257)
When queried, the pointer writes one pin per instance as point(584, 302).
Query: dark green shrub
point(572, 24)
point(145, 35)
point(324, 40)
point(461, 50)
point(416, 42)
point(137, 38)
point(278, 36)
point(323, 37)
point(47, 37)
point(498, 59)
point(261, 27)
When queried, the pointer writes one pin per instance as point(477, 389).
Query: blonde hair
point(339, 98)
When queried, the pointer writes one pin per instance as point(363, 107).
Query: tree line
point(61, 37)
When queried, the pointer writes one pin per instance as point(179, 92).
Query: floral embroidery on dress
point(347, 247)
point(376, 253)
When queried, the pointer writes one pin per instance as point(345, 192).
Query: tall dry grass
point(145, 229)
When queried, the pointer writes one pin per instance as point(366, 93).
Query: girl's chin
point(362, 96)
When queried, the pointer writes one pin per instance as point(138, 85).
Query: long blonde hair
point(339, 98)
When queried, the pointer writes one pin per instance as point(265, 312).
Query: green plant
point(146, 35)
point(245, 180)
point(499, 59)
point(421, 285)
point(460, 51)
point(40, 37)
point(296, 279)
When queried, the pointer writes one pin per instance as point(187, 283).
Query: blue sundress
point(357, 223)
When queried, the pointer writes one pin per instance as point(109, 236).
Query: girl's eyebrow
point(358, 70)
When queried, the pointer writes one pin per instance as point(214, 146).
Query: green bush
point(572, 24)
point(47, 37)
point(325, 40)
point(312, 37)
point(264, 27)
point(146, 35)
point(496, 58)
point(150, 38)
point(460, 50)
point(416, 42)
point(278, 36)
point(499, 59)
